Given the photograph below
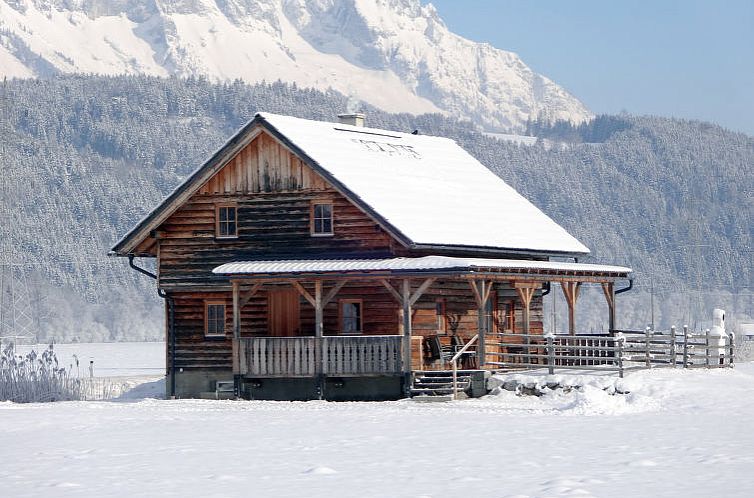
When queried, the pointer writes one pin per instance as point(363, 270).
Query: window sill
point(215, 336)
point(322, 234)
point(225, 237)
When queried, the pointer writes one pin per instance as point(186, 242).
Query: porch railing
point(362, 355)
point(330, 355)
point(620, 351)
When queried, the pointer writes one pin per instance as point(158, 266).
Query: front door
point(283, 313)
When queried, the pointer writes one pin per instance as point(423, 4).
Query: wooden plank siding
point(381, 316)
point(273, 191)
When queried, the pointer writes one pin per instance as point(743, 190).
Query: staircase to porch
point(437, 385)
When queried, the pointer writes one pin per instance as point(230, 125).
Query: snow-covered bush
point(36, 378)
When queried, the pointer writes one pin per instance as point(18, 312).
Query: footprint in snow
point(320, 471)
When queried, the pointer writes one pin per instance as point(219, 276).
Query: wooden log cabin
point(320, 260)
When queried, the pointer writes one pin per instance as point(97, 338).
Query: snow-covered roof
point(426, 263)
point(427, 191)
point(428, 188)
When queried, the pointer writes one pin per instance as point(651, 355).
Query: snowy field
point(110, 359)
point(678, 433)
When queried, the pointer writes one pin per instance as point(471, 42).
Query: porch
point(409, 286)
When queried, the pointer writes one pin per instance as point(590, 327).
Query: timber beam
point(571, 293)
point(608, 288)
point(481, 290)
point(525, 291)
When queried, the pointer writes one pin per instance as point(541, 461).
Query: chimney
point(354, 119)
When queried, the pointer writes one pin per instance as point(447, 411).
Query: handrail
point(454, 362)
point(464, 348)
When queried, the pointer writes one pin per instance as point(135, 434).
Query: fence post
point(647, 335)
point(619, 339)
point(672, 346)
point(732, 339)
point(685, 346)
point(706, 348)
point(550, 353)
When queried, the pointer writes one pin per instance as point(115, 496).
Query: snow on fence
point(619, 351)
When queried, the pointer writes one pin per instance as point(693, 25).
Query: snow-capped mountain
point(395, 54)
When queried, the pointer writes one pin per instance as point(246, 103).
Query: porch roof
point(426, 264)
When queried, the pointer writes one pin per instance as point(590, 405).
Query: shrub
point(36, 378)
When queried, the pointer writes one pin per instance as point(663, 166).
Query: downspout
point(626, 289)
point(547, 288)
point(171, 320)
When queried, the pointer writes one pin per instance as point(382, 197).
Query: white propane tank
point(717, 332)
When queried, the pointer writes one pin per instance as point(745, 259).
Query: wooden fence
point(308, 356)
point(619, 351)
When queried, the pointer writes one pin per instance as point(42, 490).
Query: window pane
point(215, 319)
point(226, 221)
point(322, 218)
point(351, 313)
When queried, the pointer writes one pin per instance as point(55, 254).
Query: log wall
point(273, 192)
point(381, 316)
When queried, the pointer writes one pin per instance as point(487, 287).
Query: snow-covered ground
point(678, 433)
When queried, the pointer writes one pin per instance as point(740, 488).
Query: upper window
point(350, 316)
point(214, 319)
point(321, 218)
point(226, 222)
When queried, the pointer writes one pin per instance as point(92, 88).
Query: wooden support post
point(406, 308)
point(319, 336)
point(406, 302)
point(236, 339)
point(407, 299)
point(525, 291)
point(706, 348)
point(571, 292)
point(318, 311)
point(481, 290)
point(608, 288)
point(648, 347)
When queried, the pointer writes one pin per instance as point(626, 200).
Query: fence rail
point(309, 356)
point(619, 351)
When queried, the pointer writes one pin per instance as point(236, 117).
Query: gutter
point(626, 289)
point(171, 320)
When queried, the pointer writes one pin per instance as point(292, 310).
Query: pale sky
point(682, 58)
